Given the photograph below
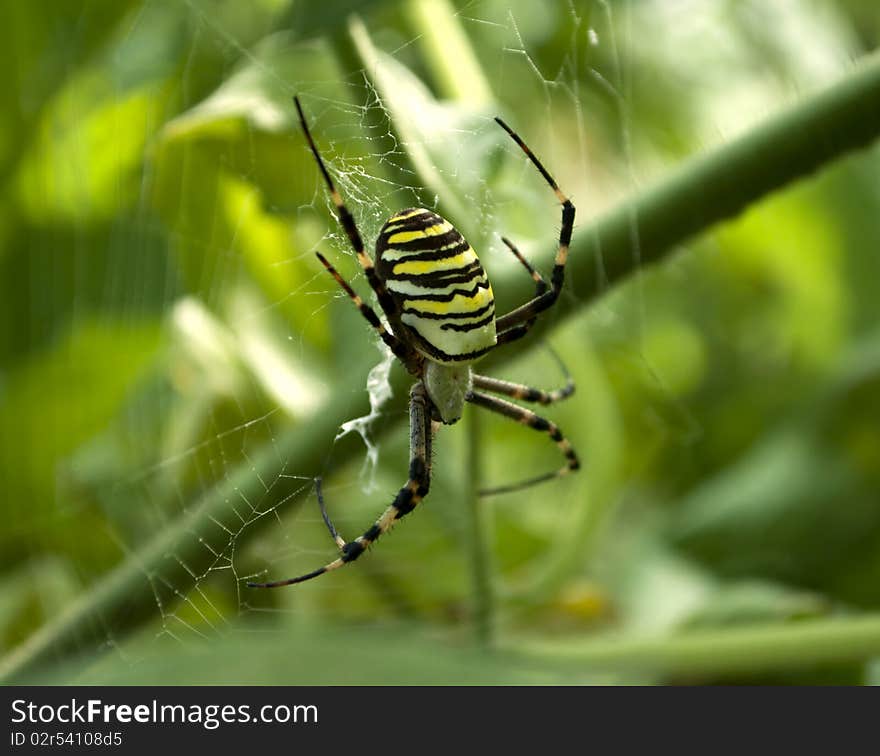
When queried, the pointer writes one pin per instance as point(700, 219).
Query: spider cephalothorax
point(441, 318)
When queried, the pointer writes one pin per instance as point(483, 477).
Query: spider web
point(207, 429)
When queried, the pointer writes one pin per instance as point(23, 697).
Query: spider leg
point(518, 390)
point(513, 334)
point(347, 221)
point(407, 498)
point(522, 392)
point(319, 495)
point(540, 284)
point(531, 420)
point(544, 300)
point(400, 350)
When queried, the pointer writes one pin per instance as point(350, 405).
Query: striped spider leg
point(519, 391)
point(409, 496)
point(520, 319)
point(530, 420)
point(401, 350)
point(386, 301)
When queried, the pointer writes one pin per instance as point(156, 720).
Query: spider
point(441, 319)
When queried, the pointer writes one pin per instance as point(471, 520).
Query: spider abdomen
point(441, 291)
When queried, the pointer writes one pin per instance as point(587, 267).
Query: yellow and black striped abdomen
point(441, 290)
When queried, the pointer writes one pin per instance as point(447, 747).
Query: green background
point(174, 362)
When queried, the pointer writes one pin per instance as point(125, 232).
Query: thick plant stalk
point(719, 184)
point(716, 652)
point(705, 190)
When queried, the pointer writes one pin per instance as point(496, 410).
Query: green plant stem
point(704, 191)
point(478, 535)
point(742, 650)
point(450, 56)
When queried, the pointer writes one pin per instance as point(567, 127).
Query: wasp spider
point(441, 319)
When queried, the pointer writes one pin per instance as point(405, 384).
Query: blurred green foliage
point(164, 320)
